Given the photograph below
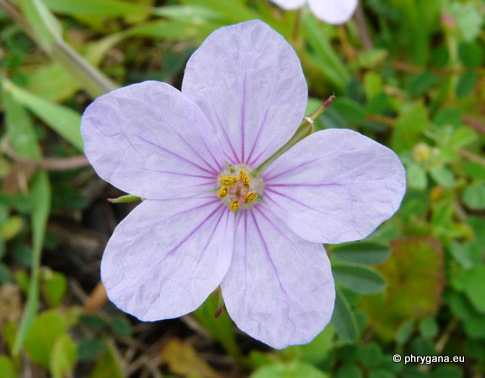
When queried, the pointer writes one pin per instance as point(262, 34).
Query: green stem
point(306, 128)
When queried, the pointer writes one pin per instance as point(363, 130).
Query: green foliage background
point(408, 73)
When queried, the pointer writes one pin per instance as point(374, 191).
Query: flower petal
point(289, 4)
point(166, 257)
point(333, 11)
point(150, 140)
point(335, 186)
point(279, 288)
point(249, 83)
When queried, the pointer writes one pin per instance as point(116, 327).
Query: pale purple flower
point(331, 11)
point(243, 97)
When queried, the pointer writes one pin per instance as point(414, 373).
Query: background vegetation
point(408, 73)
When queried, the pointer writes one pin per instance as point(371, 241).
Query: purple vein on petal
point(243, 111)
point(267, 178)
point(197, 153)
point(251, 163)
point(294, 200)
point(268, 255)
point(235, 161)
point(286, 196)
point(211, 177)
point(293, 185)
point(188, 235)
point(174, 154)
point(217, 162)
point(210, 237)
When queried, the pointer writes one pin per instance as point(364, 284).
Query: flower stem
point(306, 128)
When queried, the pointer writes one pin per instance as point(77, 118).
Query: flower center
point(235, 188)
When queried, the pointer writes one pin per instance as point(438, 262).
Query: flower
point(207, 218)
point(331, 11)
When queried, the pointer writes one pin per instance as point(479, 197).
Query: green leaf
point(89, 348)
point(416, 176)
point(370, 355)
point(362, 252)
point(173, 30)
point(420, 83)
point(19, 128)
point(4, 273)
point(111, 8)
point(429, 328)
point(46, 27)
point(378, 104)
point(41, 195)
point(93, 321)
point(351, 111)
point(293, 369)
point(448, 116)
point(108, 365)
point(471, 282)
point(472, 319)
point(372, 84)
point(63, 357)
point(11, 228)
point(343, 319)
point(196, 14)
point(474, 170)
point(233, 11)
point(220, 328)
point(466, 255)
point(121, 326)
point(404, 332)
point(358, 278)
point(466, 84)
point(470, 54)
point(40, 340)
point(7, 368)
point(54, 287)
point(66, 122)
point(314, 352)
point(327, 60)
point(447, 371)
point(443, 176)
point(349, 371)
point(412, 121)
point(474, 196)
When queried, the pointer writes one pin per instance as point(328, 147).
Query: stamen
point(244, 177)
point(222, 192)
point(250, 197)
point(234, 205)
point(228, 180)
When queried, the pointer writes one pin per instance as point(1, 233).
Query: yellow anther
point(228, 180)
point(244, 177)
point(223, 192)
point(250, 197)
point(234, 205)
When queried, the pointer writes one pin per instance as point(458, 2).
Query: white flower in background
point(331, 11)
